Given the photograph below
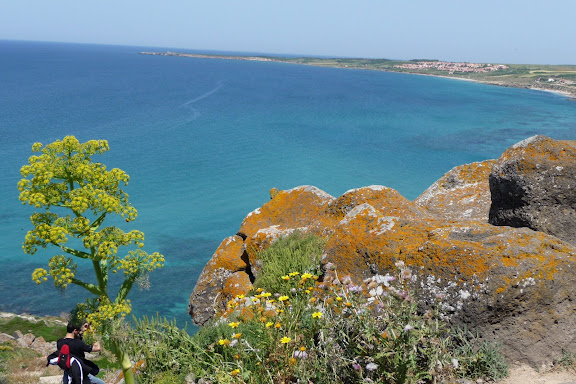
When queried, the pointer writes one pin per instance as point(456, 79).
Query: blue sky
point(507, 31)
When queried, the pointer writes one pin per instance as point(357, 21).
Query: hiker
point(78, 348)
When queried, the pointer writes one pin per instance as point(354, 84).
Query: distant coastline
point(559, 79)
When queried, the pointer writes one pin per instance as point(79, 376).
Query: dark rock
point(532, 185)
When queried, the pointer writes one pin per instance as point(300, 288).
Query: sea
point(204, 140)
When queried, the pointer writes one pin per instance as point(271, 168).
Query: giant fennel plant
point(74, 196)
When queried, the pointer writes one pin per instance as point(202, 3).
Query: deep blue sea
point(204, 140)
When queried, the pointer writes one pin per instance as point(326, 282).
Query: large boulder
point(514, 285)
point(463, 193)
point(532, 185)
point(220, 280)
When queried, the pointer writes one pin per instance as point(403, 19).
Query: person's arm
point(96, 347)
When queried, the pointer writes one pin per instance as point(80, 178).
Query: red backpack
point(64, 357)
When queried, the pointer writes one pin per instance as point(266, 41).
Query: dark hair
point(71, 327)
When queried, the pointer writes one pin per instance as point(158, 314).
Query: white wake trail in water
point(195, 112)
point(205, 95)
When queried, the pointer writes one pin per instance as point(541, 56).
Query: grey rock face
point(533, 185)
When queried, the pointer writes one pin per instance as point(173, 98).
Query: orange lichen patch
point(387, 201)
point(236, 284)
point(530, 154)
point(298, 207)
point(228, 255)
point(463, 193)
point(366, 242)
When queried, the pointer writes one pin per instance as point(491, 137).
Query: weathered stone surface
point(5, 337)
point(24, 341)
point(387, 201)
point(515, 285)
point(463, 193)
point(302, 206)
point(209, 294)
point(42, 346)
point(532, 186)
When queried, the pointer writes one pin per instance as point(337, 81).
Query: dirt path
point(523, 374)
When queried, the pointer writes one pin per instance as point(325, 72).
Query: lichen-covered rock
point(387, 201)
point(302, 206)
point(532, 186)
point(515, 285)
point(215, 281)
point(463, 193)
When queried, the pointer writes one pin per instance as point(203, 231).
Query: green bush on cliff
point(297, 252)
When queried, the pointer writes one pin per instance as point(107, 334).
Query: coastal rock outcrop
point(463, 193)
point(514, 285)
point(532, 185)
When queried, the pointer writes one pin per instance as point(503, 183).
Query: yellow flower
point(292, 361)
point(269, 324)
point(235, 372)
point(233, 325)
point(292, 274)
point(237, 335)
point(302, 349)
point(317, 315)
point(266, 294)
point(306, 276)
point(283, 298)
point(286, 277)
point(224, 342)
point(277, 325)
point(260, 290)
point(239, 296)
point(285, 340)
point(338, 298)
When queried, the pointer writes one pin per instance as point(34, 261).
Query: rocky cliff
point(495, 239)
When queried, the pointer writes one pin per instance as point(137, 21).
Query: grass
point(50, 331)
point(22, 365)
point(297, 252)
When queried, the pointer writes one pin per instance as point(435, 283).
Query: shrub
point(297, 252)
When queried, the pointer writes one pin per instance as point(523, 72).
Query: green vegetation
point(50, 331)
point(15, 362)
point(320, 329)
point(298, 252)
point(74, 196)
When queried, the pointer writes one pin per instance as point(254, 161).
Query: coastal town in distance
point(553, 78)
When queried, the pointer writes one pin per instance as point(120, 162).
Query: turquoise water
point(205, 140)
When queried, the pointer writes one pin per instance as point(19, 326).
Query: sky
point(497, 31)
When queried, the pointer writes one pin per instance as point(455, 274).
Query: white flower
point(408, 328)
point(376, 291)
point(371, 367)
point(455, 362)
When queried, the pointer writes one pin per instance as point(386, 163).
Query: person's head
point(73, 328)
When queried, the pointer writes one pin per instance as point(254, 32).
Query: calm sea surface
point(204, 141)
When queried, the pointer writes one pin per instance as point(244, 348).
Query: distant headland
point(552, 78)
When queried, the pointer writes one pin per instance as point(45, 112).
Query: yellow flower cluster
point(108, 311)
point(139, 261)
point(62, 269)
point(39, 275)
